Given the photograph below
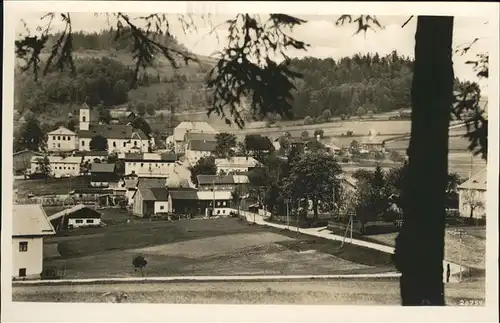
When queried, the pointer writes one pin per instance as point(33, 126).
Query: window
point(224, 203)
point(22, 272)
point(223, 211)
point(135, 143)
point(79, 221)
point(58, 137)
point(63, 137)
point(84, 119)
point(124, 144)
point(58, 145)
point(114, 143)
point(90, 220)
point(83, 143)
point(53, 137)
point(23, 246)
point(162, 207)
point(218, 211)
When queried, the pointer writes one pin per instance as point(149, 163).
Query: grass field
point(52, 186)
point(473, 246)
point(310, 292)
point(199, 247)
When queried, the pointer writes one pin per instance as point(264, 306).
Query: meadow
point(199, 247)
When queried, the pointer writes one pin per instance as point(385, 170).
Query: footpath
point(323, 232)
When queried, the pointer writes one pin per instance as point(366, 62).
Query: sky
point(325, 38)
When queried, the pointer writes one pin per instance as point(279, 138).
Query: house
point(150, 201)
point(373, 144)
point(472, 196)
point(92, 195)
point(216, 182)
point(221, 198)
point(150, 164)
point(198, 136)
point(62, 139)
point(188, 126)
point(78, 216)
point(60, 166)
point(184, 201)
point(102, 174)
point(198, 149)
point(129, 183)
point(121, 138)
point(236, 164)
point(22, 160)
point(29, 226)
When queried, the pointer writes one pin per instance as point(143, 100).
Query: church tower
point(84, 117)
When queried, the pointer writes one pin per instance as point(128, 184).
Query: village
point(80, 191)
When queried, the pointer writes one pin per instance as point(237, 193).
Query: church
point(121, 138)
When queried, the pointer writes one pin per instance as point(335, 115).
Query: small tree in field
point(360, 112)
point(327, 115)
point(304, 135)
point(308, 121)
point(471, 200)
point(44, 167)
point(140, 263)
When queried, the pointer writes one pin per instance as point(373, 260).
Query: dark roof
point(91, 153)
point(168, 157)
point(184, 194)
point(202, 145)
point(151, 182)
point(27, 151)
point(109, 131)
point(102, 168)
point(160, 193)
point(199, 136)
point(139, 134)
point(209, 179)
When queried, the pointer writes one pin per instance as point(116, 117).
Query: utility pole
point(287, 214)
point(298, 213)
point(460, 233)
point(213, 202)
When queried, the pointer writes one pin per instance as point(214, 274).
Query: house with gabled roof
point(179, 135)
point(30, 225)
point(62, 139)
point(197, 149)
point(149, 201)
point(77, 216)
point(472, 197)
point(102, 174)
point(22, 160)
point(150, 164)
point(236, 164)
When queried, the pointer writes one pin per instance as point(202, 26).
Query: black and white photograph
point(253, 153)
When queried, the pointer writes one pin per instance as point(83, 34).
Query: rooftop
point(237, 161)
point(476, 182)
point(194, 126)
point(62, 131)
point(166, 157)
point(199, 136)
point(202, 145)
point(111, 131)
point(154, 193)
point(215, 179)
point(184, 194)
point(151, 182)
point(30, 220)
point(61, 159)
point(102, 168)
point(90, 213)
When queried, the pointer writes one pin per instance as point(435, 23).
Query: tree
point(319, 132)
point(395, 156)
point(327, 115)
point(104, 114)
point(419, 249)
point(313, 176)
point(451, 189)
point(226, 144)
point(204, 166)
point(307, 121)
point(257, 143)
point(120, 91)
point(72, 123)
point(304, 135)
point(141, 109)
point(472, 201)
point(140, 123)
point(32, 136)
point(139, 262)
point(241, 150)
point(360, 112)
point(355, 146)
point(373, 197)
point(99, 143)
point(151, 109)
point(43, 164)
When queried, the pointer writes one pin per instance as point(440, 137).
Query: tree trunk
point(471, 212)
point(420, 245)
point(315, 210)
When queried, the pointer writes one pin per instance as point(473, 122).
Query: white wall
point(229, 169)
point(77, 223)
point(194, 155)
point(84, 144)
point(149, 168)
point(59, 169)
point(117, 145)
point(90, 159)
point(32, 259)
point(129, 194)
point(61, 142)
point(464, 198)
point(159, 205)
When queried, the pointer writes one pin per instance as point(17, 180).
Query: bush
point(308, 121)
point(342, 117)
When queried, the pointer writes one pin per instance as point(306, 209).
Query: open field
point(310, 292)
point(52, 186)
point(473, 246)
point(199, 247)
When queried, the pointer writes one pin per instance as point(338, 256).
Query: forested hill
point(377, 83)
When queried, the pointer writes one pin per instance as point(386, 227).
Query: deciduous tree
point(204, 166)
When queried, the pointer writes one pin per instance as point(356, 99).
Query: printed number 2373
point(471, 302)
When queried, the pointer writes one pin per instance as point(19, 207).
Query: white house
point(150, 201)
point(188, 126)
point(150, 164)
point(472, 196)
point(77, 216)
point(121, 138)
point(60, 166)
point(198, 149)
point(29, 225)
point(62, 139)
point(92, 156)
point(222, 202)
point(236, 164)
